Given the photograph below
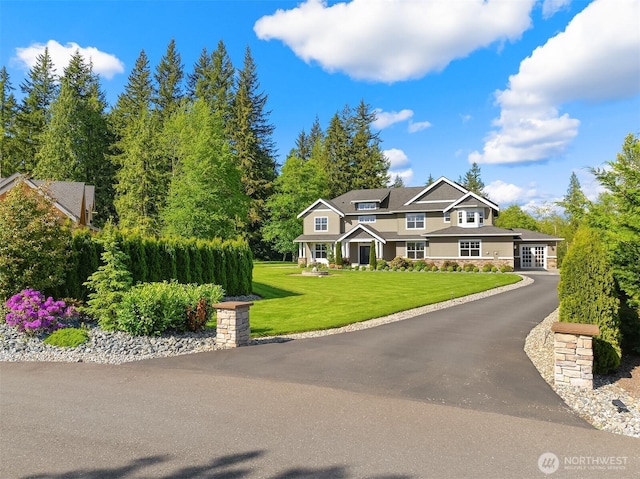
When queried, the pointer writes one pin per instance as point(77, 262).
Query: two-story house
point(443, 221)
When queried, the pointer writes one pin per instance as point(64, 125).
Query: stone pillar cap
point(576, 328)
point(233, 305)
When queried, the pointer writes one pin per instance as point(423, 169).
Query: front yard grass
point(293, 303)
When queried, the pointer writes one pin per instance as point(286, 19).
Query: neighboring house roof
point(70, 198)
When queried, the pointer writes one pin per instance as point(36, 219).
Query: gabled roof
point(367, 229)
point(434, 185)
point(327, 203)
point(66, 196)
point(472, 195)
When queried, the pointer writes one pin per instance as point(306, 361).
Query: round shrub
point(488, 267)
point(494, 269)
point(67, 338)
point(434, 268)
point(505, 268)
point(32, 313)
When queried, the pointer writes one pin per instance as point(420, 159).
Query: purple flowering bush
point(31, 312)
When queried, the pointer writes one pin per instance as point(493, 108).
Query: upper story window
point(321, 223)
point(447, 217)
point(415, 221)
point(366, 206)
point(367, 219)
point(471, 218)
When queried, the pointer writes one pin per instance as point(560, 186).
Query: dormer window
point(471, 218)
point(366, 206)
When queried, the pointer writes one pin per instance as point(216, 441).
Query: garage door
point(533, 256)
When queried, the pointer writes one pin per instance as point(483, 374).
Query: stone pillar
point(232, 328)
point(573, 353)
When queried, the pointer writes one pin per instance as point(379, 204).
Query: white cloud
point(388, 118)
point(466, 118)
point(594, 59)
point(418, 126)
point(393, 40)
point(406, 175)
point(551, 7)
point(104, 64)
point(397, 158)
point(508, 193)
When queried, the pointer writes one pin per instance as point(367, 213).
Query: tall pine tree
point(9, 159)
point(75, 143)
point(472, 180)
point(252, 144)
point(370, 167)
point(142, 175)
point(39, 90)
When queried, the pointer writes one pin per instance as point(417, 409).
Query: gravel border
point(595, 406)
point(116, 348)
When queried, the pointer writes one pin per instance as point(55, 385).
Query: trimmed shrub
point(434, 268)
point(339, 253)
point(67, 338)
point(588, 295)
point(372, 256)
point(468, 268)
point(449, 266)
point(398, 262)
point(381, 264)
point(505, 268)
point(153, 308)
point(419, 265)
point(487, 268)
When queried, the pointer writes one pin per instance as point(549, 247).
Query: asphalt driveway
point(448, 394)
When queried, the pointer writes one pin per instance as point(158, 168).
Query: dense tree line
point(187, 154)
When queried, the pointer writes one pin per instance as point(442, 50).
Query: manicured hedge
point(226, 263)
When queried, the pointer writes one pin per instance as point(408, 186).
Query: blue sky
point(532, 90)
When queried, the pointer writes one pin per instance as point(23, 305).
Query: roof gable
point(357, 231)
point(471, 199)
point(319, 201)
point(440, 190)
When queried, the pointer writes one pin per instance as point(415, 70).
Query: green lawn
point(294, 303)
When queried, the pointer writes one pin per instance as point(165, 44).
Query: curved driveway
point(447, 394)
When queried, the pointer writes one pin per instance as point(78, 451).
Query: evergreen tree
point(588, 295)
point(370, 167)
point(39, 90)
point(430, 180)
point(575, 203)
point(76, 140)
point(472, 180)
point(142, 176)
point(300, 183)
point(205, 196)
point(336, 162)
point(252, 143)
point(9, 160)
point(169, 75)
point(222, 82)
point(199, 82)
point(397, 182)
point(305, 143)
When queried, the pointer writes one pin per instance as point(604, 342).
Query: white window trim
point(421, 248)
point(478, 217)
point(367, 219)
point(479, 248)
point(316, 223)
point(371, 205)
point(424, 221)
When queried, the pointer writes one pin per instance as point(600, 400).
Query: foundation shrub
point(67, 338)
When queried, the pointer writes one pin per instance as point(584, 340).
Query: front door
point(364, 254)
point(532, 256)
